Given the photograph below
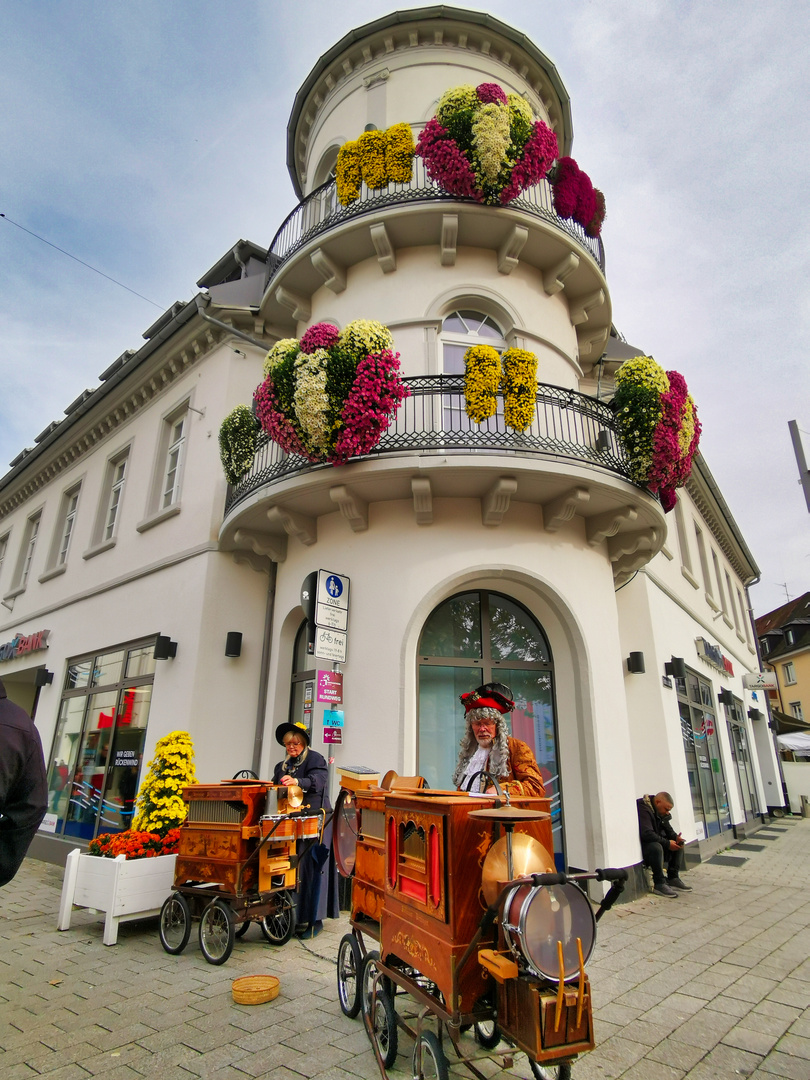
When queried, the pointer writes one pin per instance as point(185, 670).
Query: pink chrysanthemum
point(374, 398)
point(320, 336)
point(490, 92)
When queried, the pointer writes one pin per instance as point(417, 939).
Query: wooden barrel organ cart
point(237, 864)
point(469, 919)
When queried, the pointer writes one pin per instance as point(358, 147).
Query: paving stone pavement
point(713, 985)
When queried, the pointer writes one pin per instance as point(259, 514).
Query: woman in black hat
point(302, 767)
point(317, 897)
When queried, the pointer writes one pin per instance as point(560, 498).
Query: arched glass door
point(477, 637)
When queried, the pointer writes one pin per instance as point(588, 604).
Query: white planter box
point(122, 888)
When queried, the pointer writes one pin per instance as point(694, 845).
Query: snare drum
point(278, 827)
point(535, 919)
point(307, 826)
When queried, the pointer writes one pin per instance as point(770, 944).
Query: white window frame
point(63, 532)
point(796, 709)
point(454, 415)
point(683, 545)
point(789, 673)
point(3, 551)
point(704, 566)
point(170, 466)
point(105, 530)
point(25, 557)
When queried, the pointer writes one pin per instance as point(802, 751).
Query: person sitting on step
point(660, 844)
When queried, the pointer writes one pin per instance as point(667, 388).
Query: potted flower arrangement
point(128, 875)
point(658, 425)
point(486, 144)
point(237, 442)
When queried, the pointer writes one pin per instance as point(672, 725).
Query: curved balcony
point(569, 461)
point(321, 211)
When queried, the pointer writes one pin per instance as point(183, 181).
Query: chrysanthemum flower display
point(514, 373)
point(377, 158)
point(576, 197)
point(160, 805)
point(485, 144)
point(135, 845)
point(658, 425)
point(237, 442)
point(332, 395)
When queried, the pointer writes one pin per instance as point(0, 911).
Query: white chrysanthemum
point(491, 138)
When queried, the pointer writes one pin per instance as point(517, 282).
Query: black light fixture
point(754, 714)
point(43, 677)
point(676, 667)
point(725, 697)
point(603, 440)
point(165, 648)
point(635, 663)
point(233, 643)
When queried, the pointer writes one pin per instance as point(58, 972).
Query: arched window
point(473, 638)
point(460, 331)
point(304, 674)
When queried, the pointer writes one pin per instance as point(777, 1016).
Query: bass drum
point(345, 828)
point(536, 919)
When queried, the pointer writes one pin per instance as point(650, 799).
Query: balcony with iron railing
point(321, 211)
point(569, 459)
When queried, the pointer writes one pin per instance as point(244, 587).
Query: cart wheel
point(175, 923)
point(242, 929)
point(279, 925)
point(487, 1034)
point(383, 1030)
point(216, 932)
point(562, 1071)
point(366, 976)
point(434, 1061)
point(349, 966)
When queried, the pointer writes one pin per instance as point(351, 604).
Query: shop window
point(738, 742)
point(97, 753)
point(460, 331)
point(704, 764)
point(789, 673)
point(476, 637)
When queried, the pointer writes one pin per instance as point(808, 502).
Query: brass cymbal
point(295, 796)
point(508, 813)
point(529, 856)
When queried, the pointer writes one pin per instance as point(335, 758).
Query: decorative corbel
point(298, 305)
point(353, 508)
point(602, 526)
point(554, 277)
point(449, 239)
point(422, 500)
point(510, 249)
point(631, 542)
point(270, 545)
point(496, 501)
point(557, 511)
point(581, 310)
point(256, 562)
point(333, 274)
point(386, 256)
point(294, 524)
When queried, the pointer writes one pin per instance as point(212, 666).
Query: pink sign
point(330, 687)
point(333, 734)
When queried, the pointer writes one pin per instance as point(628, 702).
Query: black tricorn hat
point(489, 694)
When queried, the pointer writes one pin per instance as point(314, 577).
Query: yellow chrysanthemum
point(482, 374)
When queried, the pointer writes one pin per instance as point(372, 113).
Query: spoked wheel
point(434, 1061)
point(242, 928)
point(383, 1020)
point(217, 932)
point(349, 964)
point(279, 925)
point(562, 1071)
point(175, 923)
point(367, 973)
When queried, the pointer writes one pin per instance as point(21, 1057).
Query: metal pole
point(798, 450)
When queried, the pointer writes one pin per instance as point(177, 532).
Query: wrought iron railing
point(321, 211)
point(566, 425)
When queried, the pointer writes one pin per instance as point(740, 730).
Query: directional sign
point(333, 718)
point(330, 644)
point(332, 735)
point(330, 686)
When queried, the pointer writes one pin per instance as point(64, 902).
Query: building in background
point(473, 552)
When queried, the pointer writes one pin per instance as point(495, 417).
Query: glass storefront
point(98, 746)
point(704, 765)
point(478, 637)
point(741, 755)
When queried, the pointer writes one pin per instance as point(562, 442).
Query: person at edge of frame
point(23, 785)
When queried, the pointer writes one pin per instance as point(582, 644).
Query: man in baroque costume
point(487, 747)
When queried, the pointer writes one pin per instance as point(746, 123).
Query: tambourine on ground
point(237, 864)
point(464, 935)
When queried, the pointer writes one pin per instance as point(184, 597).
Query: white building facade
point(474, 553)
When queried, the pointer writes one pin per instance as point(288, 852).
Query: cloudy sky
point(146, 138)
